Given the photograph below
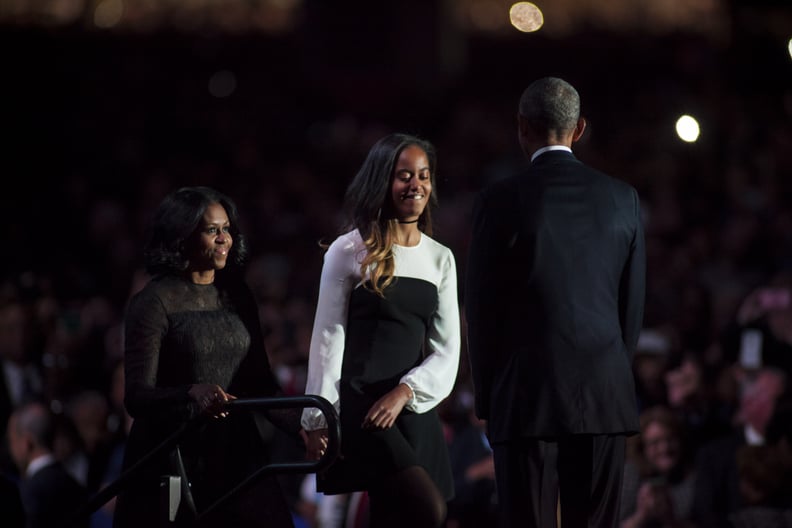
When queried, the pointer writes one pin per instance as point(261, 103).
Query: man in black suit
point(49, 494)
point(554, 302)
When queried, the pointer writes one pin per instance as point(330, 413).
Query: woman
point(193, 342)
point(658, 478)
point(385, 343)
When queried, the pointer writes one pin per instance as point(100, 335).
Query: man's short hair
point(550, 104)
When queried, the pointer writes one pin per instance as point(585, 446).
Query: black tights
point(408, 497)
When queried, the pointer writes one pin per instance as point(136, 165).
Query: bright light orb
point(526, 17)
point(687, 128)
point(789, 47)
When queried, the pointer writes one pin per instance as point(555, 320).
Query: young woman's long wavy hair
point(370, 206)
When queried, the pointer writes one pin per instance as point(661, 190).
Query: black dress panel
point(385, 339)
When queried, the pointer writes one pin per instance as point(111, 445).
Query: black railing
point(171, 445)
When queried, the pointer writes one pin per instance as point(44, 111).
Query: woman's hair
point(176, 219)
point(370, 207)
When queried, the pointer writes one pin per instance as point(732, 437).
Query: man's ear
point(579, 129)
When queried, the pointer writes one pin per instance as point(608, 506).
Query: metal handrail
point(333, 443)
point(172, 441)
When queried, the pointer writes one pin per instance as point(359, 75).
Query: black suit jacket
point(51, 496)
point(11, 511)
point(554, 301)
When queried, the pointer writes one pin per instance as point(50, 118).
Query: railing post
point(170, 499)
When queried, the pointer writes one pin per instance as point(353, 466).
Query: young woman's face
point(212, 240)
point(411, 184)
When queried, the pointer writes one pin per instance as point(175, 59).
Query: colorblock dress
point(364, 345)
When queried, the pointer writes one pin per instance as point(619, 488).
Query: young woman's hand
point(315, 443)
point(384, 412)
point(211, 399)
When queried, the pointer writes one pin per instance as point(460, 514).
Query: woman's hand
point(211, 399)
point(315, 443)
point(654, 502)
point(384, 412)
point(761, 302)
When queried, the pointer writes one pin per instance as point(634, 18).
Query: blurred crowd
point(713, 362)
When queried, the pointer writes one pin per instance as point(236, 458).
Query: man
point(718, 491)
point(20, 377)
point(554, 302)
point(49, 494)
point(10, 504)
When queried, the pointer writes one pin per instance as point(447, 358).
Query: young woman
point(193, 341)
point(386, 339)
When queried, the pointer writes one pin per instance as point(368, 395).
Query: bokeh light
point(789, 47)
point(687, 128)
point(108, 13)
point(222, 83)
point(485, 16)
point(526, 17)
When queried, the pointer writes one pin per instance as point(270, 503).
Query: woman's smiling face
point(212, 240)
point(411, 185)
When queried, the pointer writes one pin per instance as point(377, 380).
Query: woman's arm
point(433, 380)
point(339, 275)
point(145, 326)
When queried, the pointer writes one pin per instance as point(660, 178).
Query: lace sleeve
point(145, 325)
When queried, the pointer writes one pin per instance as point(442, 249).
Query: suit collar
point(553, 155)
point(37, 464)
point(549, 148)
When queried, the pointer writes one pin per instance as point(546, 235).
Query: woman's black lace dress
point(177, 334)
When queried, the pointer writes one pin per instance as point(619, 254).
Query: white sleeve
point(327, 340)
point(433, 380)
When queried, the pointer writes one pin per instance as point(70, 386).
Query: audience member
point(762, 332)
point(650, 365)
point(717, 489)
point(49, 494)
point(705, 416)
point(11, 510)
point(20, 376)
point(473, 466)
point(761, 484)
point(657, 490)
